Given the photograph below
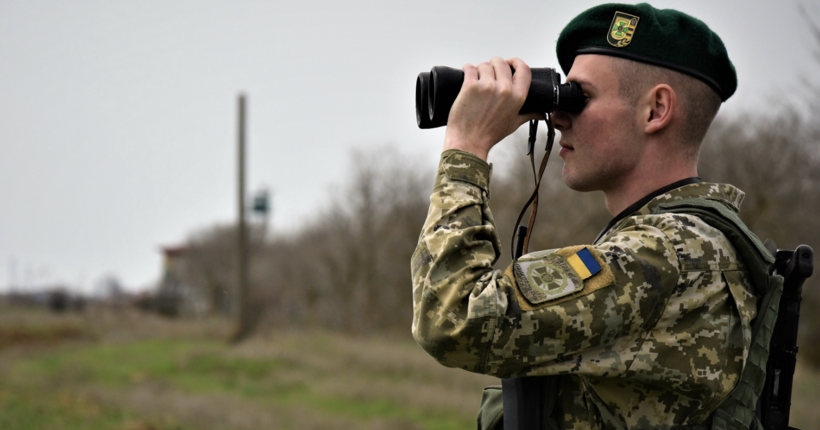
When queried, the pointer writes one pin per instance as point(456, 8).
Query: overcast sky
point(118, 119)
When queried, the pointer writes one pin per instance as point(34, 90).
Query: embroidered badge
point(622, 29)
point(547, 279)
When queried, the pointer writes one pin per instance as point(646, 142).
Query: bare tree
point(774, 160)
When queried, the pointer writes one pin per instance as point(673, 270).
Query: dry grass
point(25, 327)
point(107, 324)
point(373, 368)
point(156, 403)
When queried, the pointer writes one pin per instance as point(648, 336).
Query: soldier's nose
point(561, 120)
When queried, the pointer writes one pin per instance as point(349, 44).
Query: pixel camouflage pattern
point(657, 338)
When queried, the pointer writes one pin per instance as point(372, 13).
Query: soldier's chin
point(576, 183)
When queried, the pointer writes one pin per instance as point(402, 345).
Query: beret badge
point(622, 29)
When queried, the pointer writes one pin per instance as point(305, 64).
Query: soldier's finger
point(523, 75)
point(470, 73)
point(501, 69)
point(486, 72)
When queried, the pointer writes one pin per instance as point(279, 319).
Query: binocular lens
point(422, 105)
point(436, 91)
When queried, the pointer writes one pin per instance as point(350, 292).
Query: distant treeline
point(348, 268)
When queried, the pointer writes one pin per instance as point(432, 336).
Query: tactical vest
point(737, 411)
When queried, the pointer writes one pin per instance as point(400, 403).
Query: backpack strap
point(752, 252)
point(737, 411)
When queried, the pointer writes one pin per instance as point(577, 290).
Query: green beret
point(662, 37)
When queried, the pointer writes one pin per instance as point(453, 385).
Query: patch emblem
point(584, 263)
point(622, 29)
point(546, 279)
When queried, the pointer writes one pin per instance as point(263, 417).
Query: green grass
point(207, 367)
point(26, 408)
point(121, 378)
point(290, 380)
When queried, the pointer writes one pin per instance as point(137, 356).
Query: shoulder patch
point(547, 279)
point(551, 277)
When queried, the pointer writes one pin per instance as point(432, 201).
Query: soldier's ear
point(657, 108)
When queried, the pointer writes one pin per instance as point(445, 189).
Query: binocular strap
point(520, 247)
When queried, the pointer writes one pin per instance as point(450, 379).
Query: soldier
point(648, 326)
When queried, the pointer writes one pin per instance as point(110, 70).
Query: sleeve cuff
point(458, 165)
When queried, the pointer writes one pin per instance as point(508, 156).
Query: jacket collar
point(684, 189)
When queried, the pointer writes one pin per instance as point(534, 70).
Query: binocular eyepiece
point(437, 89)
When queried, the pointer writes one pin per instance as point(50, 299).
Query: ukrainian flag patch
point(584, 263)
point(547, 278)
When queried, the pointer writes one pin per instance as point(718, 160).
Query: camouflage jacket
point(649, 326)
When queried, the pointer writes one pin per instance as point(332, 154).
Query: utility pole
point(244, 322)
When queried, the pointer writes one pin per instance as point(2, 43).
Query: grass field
point(121, 370)
point(124, 371)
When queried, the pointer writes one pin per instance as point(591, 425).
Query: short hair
point(699, 103)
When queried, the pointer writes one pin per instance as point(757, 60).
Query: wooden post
point(243, 327)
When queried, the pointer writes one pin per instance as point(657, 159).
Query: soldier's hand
point(486, 109)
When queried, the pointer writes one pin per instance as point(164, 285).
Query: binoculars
point(437, 89)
